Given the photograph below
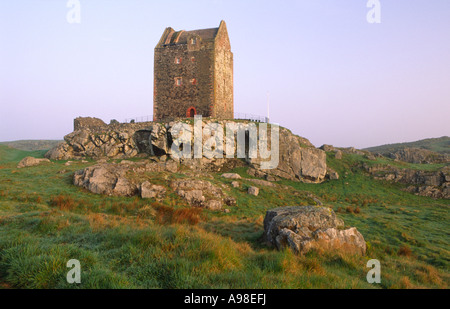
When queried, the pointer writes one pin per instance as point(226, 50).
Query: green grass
point(440, 145)
point(123, 242)
point(32, 145)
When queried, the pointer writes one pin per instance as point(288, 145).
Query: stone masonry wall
point(223, 77)
point(171, 100)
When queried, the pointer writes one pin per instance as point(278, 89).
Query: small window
point(177, 60)
point(193, 81)
point(178, 81)
point(193, 41)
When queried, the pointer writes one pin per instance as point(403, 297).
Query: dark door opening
point(191, 112)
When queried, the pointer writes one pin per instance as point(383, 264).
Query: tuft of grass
point(169, 215)
point(405, 251)
point(62, 202)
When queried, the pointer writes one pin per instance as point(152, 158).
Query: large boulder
point(103, 179)
point(313, 165)
point(30, 161)
point(302, 228)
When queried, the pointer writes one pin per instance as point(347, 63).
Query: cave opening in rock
point(143, 139)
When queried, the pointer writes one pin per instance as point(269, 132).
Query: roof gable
point(172, 37)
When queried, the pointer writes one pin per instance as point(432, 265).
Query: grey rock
point(303, 228)
point(298, 159)
point(30, 161)
point(149, 190)
point(230, 201)
point(231, 176)
point(261, 182)
point(253, 191)
point(327, 148)
point(418, 155)
point(213, 205)
point(332, 174)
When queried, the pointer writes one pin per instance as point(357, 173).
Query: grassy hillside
point(440, 145)
point(31, 145)
point(133, 243)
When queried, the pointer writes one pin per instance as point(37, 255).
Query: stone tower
point(193, 74)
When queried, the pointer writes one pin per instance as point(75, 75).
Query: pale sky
point(333, 77)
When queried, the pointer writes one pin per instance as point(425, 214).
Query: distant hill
point(439, 145)
point(32, 145)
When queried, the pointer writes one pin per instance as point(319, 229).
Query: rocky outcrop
point(418, 155)
point(103, 179)
point(149, 190)
point(298, 159)
point(338, 151)
point(113, 178)
point(434, 184)
point(30, 161)
point(199, 193)
point(302, 228)
point(132, 178)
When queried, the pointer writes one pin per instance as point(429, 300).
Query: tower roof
point(172, 37)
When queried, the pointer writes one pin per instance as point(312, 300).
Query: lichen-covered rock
point(102, 179)
point(261, 182)
point(230, 201)
point(111, 178)
point(327, 148)
point(418, 155)
point(298, 159)
point(231, 176)
point(253, 191)
point(193, 197)
point(123, 187)
point(61, 151)
point(332, 174)
point(198, 193)
point(213, 205)
point(426, 183)
point(303, 228)
point(149, 190)
point(30, 161)
point(313, 164)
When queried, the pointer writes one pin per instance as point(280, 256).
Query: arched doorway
point(191, 112)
